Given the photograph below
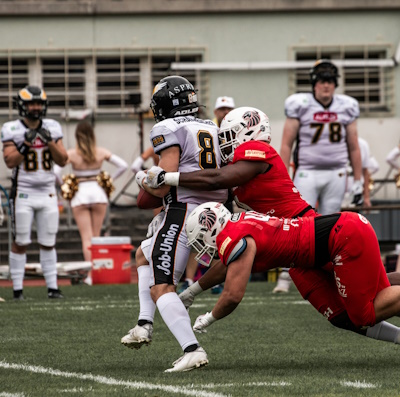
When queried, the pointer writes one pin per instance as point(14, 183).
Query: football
point(146, 201)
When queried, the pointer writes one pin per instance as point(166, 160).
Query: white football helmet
point(242, 125)
point(202, 228)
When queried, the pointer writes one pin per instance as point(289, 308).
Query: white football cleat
point(284, 281)
point(138, 336)
point(189, 361)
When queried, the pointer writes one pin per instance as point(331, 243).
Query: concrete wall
point(227, 37)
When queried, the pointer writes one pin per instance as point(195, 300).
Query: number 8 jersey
point(35, 173)
point(321, 140)
point(198, 143)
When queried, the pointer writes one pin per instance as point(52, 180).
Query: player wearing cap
point(223, 105)
point(31, 145)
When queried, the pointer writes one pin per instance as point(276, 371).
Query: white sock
point(189, 281)
point(17, 270)
point(384, 331)
point(147, 306)
point(177, 319)
point(48, 261)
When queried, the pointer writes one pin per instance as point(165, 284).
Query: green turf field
point(270, 346)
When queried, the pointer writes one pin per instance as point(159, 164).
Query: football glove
point(155, 177)
point(44, 135)
point(155, 224)
point(357, 193)
point(140, 177)
point(202, 322)
point(30, 136)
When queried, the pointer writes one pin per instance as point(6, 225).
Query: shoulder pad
point(295, 103)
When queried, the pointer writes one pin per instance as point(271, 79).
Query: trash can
point(111, 260)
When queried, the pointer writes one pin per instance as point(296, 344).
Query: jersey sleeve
point(352, 108)
point(252, 151)
point(6, 134)
point(294, 105)
point(54, 127)
point(162, 137)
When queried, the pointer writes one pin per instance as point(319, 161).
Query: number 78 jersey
point(321, 140)
point(35, 173)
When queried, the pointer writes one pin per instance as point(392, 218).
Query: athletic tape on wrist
point(171, 178)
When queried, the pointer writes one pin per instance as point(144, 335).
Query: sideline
point(111, 381)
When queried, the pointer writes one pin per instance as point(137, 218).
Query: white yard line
point(261, 384)
point(359, 385)
point(110, 381)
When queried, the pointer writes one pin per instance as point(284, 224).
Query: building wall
point(227, 37)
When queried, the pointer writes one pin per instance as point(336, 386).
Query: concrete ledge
point(125, 7)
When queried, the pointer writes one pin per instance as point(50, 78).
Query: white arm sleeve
point(391, 158)
point(120, 163)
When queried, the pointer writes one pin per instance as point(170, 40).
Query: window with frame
point(108, 82)
point(370, 85)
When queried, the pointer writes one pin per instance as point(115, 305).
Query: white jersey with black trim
point(198, 143)
point(35, 173)
point(321, 140)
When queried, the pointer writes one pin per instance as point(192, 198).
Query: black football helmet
point(29, 94)
point(173, 96)
point(324, 70)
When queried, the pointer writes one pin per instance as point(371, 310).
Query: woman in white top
point(89, 204)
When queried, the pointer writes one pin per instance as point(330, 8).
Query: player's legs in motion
point(142, 333)
point(89, 219)
point(168, 258)
point(47, 218)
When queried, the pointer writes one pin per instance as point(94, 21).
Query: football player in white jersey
point(185, 143)
point(323, 125)
point(30, 147)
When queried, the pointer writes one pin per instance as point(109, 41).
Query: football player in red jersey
point(253, 242)
point(263, 185)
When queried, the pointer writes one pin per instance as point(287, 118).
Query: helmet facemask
point(202, 228)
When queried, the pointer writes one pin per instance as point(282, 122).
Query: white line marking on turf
point(110, 381)
point(264, 384)
point(358, 384)
point(11, 394)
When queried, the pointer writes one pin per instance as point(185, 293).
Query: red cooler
point(111, 260)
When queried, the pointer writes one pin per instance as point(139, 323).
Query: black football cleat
point(18, 296)
point(54, 294)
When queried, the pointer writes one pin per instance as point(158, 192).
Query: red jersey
point(280, 242)
point(273, 192)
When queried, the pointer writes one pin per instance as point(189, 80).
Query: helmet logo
point(159, 86)
point(252, 118)
point(207, 218)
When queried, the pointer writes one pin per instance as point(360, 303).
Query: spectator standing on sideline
point(183, 142)
point(89, 203)
point(30, 147)
point(324, 126)
point(223, 105)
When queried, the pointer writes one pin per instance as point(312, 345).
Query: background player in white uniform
point(369, 166)
point(184, 143)
point(324, 126)
point(30, 146)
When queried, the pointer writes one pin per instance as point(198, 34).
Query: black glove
point(44, 135)
point(30, 136)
